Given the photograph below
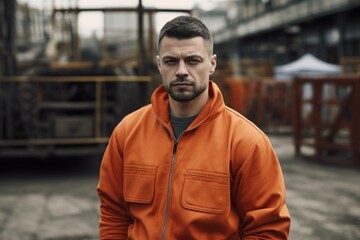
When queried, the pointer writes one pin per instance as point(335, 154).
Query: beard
point(184, 94)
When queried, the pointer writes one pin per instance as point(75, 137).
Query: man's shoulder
point(134, 118)
point(138, 114)
point(243, 124)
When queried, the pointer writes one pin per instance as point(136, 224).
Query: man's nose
point(182, 70)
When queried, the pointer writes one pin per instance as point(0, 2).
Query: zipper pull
point(175, 146)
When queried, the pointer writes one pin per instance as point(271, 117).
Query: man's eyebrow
point(194, 56)
point(168, 56)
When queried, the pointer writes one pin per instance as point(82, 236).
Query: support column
point(7, 38)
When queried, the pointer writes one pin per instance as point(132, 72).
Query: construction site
point(71, 70)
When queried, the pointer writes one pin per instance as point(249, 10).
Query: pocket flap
point(139, 183)
point(205, 191)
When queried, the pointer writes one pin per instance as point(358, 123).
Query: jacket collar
point(215, 105)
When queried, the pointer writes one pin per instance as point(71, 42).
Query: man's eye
point(193, 61)
point(170, 62)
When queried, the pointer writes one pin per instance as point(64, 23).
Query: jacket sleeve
point(259, 194)
point(114, 218)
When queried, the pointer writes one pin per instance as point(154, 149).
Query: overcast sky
point(93, 21)
point(125, 3)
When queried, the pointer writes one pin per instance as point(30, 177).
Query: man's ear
point(158, 62)
point(213, 60)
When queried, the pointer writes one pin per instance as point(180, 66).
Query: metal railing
point(30, 114)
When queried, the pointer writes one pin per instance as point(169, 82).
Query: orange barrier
point(266, 102)
point(326, 119)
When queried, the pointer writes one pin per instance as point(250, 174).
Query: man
point(186, 166)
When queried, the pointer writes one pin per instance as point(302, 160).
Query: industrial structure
point(284, 30)
point(254, 37)
point(61, 92)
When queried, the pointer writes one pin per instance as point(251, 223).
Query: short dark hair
point(185, 27)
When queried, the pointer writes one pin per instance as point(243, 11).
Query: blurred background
point(70, 70)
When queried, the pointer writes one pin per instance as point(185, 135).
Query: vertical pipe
point(104, 51)
point(355, 133)
point(2, 37)
point(9, 57)
point(316, 117)
point(97, 109)
point(297, 119)
point(2, 108)
point(261, 119)
point(76, 33)
point(141, 52)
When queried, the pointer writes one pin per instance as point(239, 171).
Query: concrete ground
point(50, 201)
point(323, 199)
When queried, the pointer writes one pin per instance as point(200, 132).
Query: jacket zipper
point(169, 190)
point(170, 179)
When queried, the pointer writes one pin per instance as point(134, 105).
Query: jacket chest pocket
point(205, 191)
point(139, 183)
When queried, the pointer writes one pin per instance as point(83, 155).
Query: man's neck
point(188, 108)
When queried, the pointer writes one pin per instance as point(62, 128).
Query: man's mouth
point(183, 86)
point(182, 83)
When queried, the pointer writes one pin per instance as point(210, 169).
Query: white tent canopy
point(306, 66)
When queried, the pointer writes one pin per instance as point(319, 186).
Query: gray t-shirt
point(180, 124)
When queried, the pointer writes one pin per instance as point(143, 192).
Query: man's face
point(185, 66)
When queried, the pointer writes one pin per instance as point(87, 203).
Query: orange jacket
point(220, 180)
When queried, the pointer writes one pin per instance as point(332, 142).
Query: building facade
point(284, 30)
